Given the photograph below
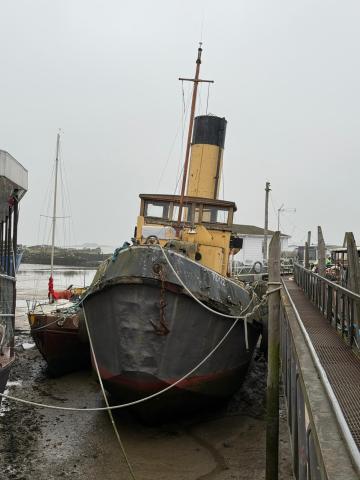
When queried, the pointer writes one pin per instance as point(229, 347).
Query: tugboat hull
point(141, 350)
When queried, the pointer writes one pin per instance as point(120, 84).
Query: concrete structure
point(12, 176)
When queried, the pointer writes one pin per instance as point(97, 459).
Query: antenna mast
point(196, 81)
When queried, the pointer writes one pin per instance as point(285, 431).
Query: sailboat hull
point(141, 350)
point(64, 349)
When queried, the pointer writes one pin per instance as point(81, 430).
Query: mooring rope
point(135, 402)
point(117, 434)
point(172, 385)
point(237, 317)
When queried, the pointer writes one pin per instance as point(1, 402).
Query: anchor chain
point(162, 328)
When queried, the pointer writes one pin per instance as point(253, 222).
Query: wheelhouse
point(164, 210)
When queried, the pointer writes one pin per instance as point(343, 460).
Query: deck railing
point(340, 306)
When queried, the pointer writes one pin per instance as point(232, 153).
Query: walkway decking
point(341, 365)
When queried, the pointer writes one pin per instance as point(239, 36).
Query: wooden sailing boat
point(153, 313)
point(56, 326)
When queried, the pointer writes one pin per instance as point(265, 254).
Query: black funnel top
point(210, 130)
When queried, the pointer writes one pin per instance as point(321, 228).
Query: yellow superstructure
point(204, 171)
point(205, 230)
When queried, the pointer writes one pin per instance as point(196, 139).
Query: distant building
point(253, 243)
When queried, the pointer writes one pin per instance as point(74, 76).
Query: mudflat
point(41, 444)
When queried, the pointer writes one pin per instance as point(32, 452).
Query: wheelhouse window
point(157, 210)
point(185, 215)
point(195, 212)
point(212, 214)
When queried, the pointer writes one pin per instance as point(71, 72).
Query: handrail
point(334, 285)
point(341, 421)
point(339, 305)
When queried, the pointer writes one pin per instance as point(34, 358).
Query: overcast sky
point(287, 78)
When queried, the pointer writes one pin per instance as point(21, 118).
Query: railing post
point(306, 256)
point(272, 393)
point(329, 303)
point(354, 279)
point(321, 253)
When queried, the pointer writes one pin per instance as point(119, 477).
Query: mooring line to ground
point(172, 385)
point(117, 434)
point(129, 404)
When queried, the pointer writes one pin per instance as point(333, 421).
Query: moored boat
point(159, 307)
point(56, 325)
point(59, 334)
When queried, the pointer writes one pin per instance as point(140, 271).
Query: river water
point(32, 285)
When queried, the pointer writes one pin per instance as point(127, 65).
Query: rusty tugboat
point(154, 309)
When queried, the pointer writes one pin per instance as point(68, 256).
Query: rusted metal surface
point(341, 365)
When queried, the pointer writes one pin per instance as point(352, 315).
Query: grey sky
point(286, 77)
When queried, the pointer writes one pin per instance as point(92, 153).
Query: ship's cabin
point(164, 210)
point(204, 231)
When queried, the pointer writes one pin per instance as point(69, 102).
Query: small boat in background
point(56, 325)
point(59, 333)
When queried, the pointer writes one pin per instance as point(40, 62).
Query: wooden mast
point(196, 81)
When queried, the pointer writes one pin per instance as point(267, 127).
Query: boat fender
point(257, 267)
point(152, 240)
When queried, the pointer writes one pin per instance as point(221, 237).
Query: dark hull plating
point(135, 360)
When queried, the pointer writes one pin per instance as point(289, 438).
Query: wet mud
point(42, 444)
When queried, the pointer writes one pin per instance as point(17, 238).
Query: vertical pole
point(309, 243)
point(5, 244)
point(188, 144)
point(267, 190)
point(321, 253)
point(306, 256)
point(1, 242)
point(54, 207)
point(14, 246)
point(272, 393)
point(8, 269)
point(354, 277)
point(279, 212)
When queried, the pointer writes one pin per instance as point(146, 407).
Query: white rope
point(129, 404)
point(169, 387)
point(243, 317)
point(237, 317)
point(122, 448)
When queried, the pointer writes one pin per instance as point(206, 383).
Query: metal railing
point(316, 442)
point(340, 306)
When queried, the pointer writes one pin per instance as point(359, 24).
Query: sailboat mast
point(54, 207)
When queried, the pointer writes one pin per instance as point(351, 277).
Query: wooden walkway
point(341, 365)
